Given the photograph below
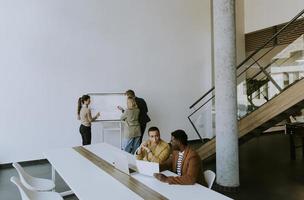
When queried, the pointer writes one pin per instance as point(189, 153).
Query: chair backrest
point(25, 193)
point(25, 178)
point(209, 177)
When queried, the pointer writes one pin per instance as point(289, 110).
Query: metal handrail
point(197, 101)
point(252, 54)
point(242, 63)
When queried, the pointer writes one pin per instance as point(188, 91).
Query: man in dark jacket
point(143, 112)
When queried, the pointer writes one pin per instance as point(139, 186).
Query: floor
point(266, 172)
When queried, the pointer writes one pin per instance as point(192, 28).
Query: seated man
point(155, 149)
point(184, 161)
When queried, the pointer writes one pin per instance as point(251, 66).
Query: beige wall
point(260, 14)
point(240, 29)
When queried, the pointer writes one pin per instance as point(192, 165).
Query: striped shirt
point(179, 163)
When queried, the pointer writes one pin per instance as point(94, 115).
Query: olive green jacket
point(130, 116)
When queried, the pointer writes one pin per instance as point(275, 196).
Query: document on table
point(147, 168)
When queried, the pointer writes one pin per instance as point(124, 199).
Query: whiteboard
point(106, 104)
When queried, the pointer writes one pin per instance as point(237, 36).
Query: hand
point(146, 149)
point(98, 114)
point(145, 144)
point(120, 108)
point(138, 151)
point(160, 177)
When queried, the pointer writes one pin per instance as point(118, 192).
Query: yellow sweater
point(159, 153)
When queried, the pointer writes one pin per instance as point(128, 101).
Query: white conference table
point(90, 182)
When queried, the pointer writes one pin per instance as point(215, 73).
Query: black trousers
point(142, 130)
point(86, 134)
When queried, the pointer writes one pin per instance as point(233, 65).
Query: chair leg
point(292, 147)
point(53, 176)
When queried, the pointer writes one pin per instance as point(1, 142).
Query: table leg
point(63, 194)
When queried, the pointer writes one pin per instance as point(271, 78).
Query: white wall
point(260, 14)
point(53, 51)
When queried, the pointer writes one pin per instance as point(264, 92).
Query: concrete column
point(227, 157)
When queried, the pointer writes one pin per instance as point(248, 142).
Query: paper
point(147, 168)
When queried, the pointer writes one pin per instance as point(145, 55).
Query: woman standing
point(132, 135)
point(85, 116)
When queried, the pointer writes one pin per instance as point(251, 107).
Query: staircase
point(268, 104)
point(266, 116)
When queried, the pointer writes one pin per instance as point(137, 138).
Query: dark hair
point(130, 93)
point(153, 128)
point(181, 136)
point(81, 100)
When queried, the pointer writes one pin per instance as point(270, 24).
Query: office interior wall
point(240, 29)
point(260, 14)
point(53, 51)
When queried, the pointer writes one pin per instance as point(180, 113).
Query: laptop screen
point(121, 163)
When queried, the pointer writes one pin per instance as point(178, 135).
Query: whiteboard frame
point(110, 120)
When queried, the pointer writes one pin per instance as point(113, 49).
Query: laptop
point(147, 168)
point(121, 163)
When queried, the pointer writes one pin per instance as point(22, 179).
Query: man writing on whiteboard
point(143, 112)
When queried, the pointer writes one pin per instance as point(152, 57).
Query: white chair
point(209, 177)
point(33, 183)
point(27, 194)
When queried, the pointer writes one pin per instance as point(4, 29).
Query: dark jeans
point(142, 130)
point(85, 134)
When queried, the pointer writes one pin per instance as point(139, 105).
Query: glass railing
point(284, 69)
point(264, 74)
point(203, 117)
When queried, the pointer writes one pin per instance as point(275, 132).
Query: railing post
point(268, 76)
